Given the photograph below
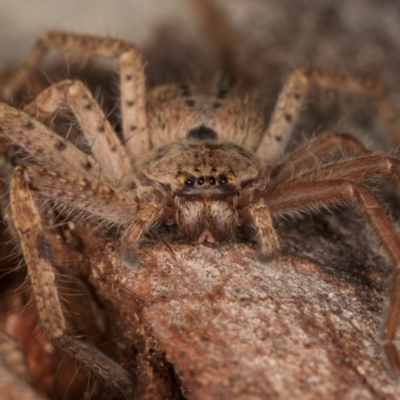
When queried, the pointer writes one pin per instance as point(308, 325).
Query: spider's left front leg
point(259, 217)
point(303, 195)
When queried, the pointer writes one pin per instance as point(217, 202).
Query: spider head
point(207, 169)
point(205, 178)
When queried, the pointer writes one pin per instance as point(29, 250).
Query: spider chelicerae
point(207, 163)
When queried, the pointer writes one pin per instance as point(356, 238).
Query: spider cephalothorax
point(203, 179)
point(205, 163)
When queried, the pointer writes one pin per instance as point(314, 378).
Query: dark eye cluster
point(221, 179)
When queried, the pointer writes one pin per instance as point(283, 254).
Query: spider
point(206, 163)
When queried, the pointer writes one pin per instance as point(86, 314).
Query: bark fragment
point(231, 328)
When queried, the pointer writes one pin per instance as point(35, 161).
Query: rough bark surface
point(305, 326)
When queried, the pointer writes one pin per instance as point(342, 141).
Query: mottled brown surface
point(235, 329)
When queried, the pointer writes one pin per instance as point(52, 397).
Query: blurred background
point(361, 37)
point(22, 21)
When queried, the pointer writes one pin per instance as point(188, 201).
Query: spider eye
point(211, 180)
point(223, 180)
point(189, 182)
point(200, 180)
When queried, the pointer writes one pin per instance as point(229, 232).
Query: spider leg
point(304, 195)
point(293, 95)
point(43, 145)
point(132, 80)
point(218, 29)
point(109, 205)
point(104, 143)
point(37, 256)
point(259, 216)
point(78, 193)
point(146, 218)
point(359, 168)
point(313, 152)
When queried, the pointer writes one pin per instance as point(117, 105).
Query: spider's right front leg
point(146, 218)
point(96, 199)
point(37, 256)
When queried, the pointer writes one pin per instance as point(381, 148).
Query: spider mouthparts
point(206, 236)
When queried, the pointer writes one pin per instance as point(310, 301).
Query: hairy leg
point(146, 218)
point(292, 98)
point(221, 34)
point(81, 194)
point(259, 216)
point(103, 141)
point(307, 156)
point(44, 146)
point(304, 195)
point(37, 256)
point(132, 79)
point(98, 200)
point(359, 168)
